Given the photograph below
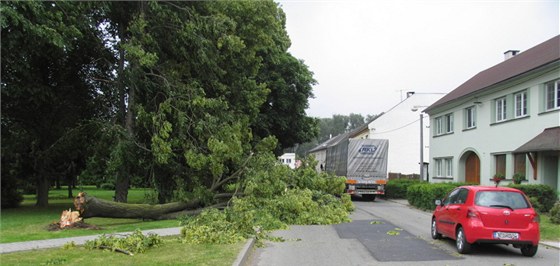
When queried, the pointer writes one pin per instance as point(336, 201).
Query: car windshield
point(501, 199)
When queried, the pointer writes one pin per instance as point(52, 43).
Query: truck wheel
point(369, 197)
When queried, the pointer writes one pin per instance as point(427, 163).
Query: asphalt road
point(366, 241)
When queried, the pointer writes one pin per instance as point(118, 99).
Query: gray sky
point(365, 55)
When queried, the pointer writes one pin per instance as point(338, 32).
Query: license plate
point(506, 235)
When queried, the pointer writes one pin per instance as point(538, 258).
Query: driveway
point(384, 233)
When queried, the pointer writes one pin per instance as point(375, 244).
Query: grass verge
point(549, 231)
point(30, 223)
point(171, 252)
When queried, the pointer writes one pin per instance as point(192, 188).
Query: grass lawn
point(30, 223)
point(172, 252)
point(549, 231)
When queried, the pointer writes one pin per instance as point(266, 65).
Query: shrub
point(545, 194)
point(107, 186)
point(11, 197)
point(518, 178)
point(555, 213)
point(423, 195)
point(397, 188)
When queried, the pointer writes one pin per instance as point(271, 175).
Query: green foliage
point(398, 188)
point(107, 186)
point(134, 243)
point(545, 195)
point(275, 196)
point(423, 195)
point(518, 178)
point(555, 213)
point(181, 92)
point(211, 226)
point(11, 197)
point(536, 203)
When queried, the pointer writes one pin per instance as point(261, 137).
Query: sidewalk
point(551, 244)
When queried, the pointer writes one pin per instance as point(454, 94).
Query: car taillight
point(472, 213)
point(536, 218)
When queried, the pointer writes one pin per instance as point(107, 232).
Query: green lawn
point(549, 231)
point(172, 252)
point(31, 223)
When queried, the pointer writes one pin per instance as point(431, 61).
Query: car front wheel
point(463, 247)
point(529, 250)
point(435, 234)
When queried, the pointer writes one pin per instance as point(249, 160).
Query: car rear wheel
point(529, 250)
point(463, 247)
point(435, 234)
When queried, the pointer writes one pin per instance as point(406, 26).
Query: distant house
point(288, 159)
point(400, 125)
point(504, 120)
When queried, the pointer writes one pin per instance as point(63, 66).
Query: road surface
point(384, 233)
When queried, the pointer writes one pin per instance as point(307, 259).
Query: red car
point(477, 214)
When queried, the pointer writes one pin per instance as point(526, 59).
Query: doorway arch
point(472, 168)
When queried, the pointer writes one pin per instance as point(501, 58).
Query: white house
point(288, 159)
point(504, 120)
point(401, 126)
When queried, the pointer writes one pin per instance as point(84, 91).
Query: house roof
point(542, 54)
point(548, 140)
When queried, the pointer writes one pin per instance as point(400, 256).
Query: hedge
point(423, 195)
point(397, 188)
point(543, 194)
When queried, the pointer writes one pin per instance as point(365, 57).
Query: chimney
point(510, 53)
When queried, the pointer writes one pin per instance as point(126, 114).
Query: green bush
point(397, 188)
point(11, 197)
point(423, 195)
point(107, 186)
point(555, 213)
point(545, 194)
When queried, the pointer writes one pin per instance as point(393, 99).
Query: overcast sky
point(365, 55)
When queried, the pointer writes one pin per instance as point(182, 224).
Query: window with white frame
point(443, 167)
point(501, 111)
point(443, 124)
point(470, 117)
point(552, 95)
point(520, 104)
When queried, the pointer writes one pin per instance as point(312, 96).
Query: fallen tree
point(89, 207)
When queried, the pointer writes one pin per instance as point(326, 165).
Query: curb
point(244, 253)
point(550, 245)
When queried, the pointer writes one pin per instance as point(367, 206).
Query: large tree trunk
point(43, 185)
point(94, 207)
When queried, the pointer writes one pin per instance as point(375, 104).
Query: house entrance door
point(472, 169)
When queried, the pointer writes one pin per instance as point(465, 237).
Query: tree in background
point(332, 127)
point(50, 54)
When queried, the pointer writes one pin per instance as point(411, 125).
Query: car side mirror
point(438, 202)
